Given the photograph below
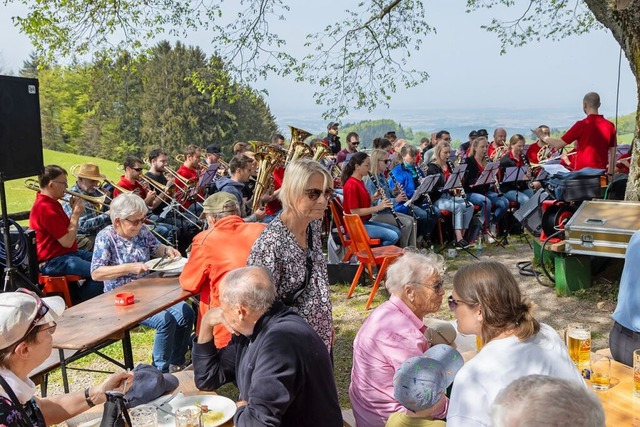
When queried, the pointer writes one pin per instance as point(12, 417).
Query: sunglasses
point(314, 193)
point(51, 328)
point(41, 310)
point(453, 303)
point(135, 223)
point(387, 161)
point(138, 169)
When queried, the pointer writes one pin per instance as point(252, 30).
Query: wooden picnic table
point(96, 323)
point(621, 408)
point(186, 387)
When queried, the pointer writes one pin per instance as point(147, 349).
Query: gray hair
point(125, 205)
point(541, 400)
point(412, 268)
point(250, 287)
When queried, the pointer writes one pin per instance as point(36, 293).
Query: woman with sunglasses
point(290, 247)
point(119, 256)
point(392, 333)
point(487, 302)
point(379, 165)
point(357, 200)
point(27, 324)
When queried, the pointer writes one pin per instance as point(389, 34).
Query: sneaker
point(488, 238)
point(462, 244)
point(493, 229)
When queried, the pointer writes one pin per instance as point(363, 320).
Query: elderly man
point(281, 366)
point(94, 217)
point(393, 333)
point(541, 400)
point(208, 264)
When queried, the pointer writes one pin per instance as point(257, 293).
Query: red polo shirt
point(594, 135)
point(356, 196)
point(50, 222)
point(131, 186)
point(275, 205)
point(188, 174)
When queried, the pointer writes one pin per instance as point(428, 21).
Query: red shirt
point(622, 167)
point(594, 135)
point(532, 152)
point(131, 186)
point(50, 222)
point(275, 205)
point(188, 174)
point(356, 196)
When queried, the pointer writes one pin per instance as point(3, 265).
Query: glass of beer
point(579, 344)
point(600, 372)
point(636, 372)
point(144, 416)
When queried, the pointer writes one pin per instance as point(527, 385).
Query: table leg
point(63, 370)
point(126, 350)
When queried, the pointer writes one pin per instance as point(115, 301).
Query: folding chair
point(337, 212)
point(381, 256)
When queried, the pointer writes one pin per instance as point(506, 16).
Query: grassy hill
point(20, 198)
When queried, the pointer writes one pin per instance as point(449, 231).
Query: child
point(420, 384)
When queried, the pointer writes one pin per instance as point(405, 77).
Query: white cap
point(17, 311)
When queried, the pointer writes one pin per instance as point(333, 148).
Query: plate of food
point(216, 410)
point(171, 265)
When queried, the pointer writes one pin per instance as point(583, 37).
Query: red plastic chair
point(58, 285)
point(337, 212)
point(381, 256)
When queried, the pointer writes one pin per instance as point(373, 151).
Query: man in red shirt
point(189, 171)
point(273, 205)
point(56, 233)
point(499, 140)
point(534, 149)
point(594, 136)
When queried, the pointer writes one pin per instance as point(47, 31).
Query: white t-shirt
point(499, 363)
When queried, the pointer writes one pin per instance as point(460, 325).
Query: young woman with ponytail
point(487, 302)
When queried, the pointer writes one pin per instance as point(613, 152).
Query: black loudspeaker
point(530, 214)
point(20, 133)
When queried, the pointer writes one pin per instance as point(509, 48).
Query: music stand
point(488, 177)
point(426, 186)
point(454, 182)
point(516, 174)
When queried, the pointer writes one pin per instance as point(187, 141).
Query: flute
point(382, 193)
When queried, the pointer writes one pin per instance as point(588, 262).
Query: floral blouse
point(278, 251)
point(11, 416)
point(112, 249)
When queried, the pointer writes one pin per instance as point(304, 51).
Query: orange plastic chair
point(381, 256)
point(58, 285)
point(337, 212)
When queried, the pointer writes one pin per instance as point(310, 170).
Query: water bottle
point(479, 246)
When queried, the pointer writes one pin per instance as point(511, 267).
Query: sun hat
point(19, 309)
point(420, 382)
point(90, 171)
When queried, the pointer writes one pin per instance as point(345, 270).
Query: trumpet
point(97, 201)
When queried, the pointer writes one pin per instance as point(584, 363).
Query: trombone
point(171, 202)
point(97, 202)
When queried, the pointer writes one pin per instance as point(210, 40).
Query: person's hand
point(241, 403)
point(377, 195)
point(117, 381)
point(539, 133)
point(214, 317)
point(385, 203)
point(260, 214)
point(138, 268)
point(172, 252)
point(401, 198)
point(151, 196)
point(77, 206)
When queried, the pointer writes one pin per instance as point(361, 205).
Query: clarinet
point(460, 190)
point(528, 164)
point(381, 190)
point(495, 176)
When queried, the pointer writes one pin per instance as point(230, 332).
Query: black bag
point(115, 411)
point(576, 186)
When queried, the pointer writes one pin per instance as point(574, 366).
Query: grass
point(20, 198)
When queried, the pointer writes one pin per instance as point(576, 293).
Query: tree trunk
point(623, 19)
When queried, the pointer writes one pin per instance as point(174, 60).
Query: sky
point(467, 72)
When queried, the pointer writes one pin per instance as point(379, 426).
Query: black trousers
point(623, 342)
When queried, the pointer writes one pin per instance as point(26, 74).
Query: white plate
point(174, 266)
point(215, 404)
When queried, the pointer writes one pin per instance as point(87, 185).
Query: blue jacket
point(405, 179)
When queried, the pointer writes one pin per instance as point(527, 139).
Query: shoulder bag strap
point(14, 399)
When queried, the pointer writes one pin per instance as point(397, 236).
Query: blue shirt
point(628, 309)
point(112, 249)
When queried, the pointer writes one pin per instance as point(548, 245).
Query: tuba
point(297, 148)
point(268, 159)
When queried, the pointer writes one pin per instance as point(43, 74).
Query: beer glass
point(600, 372)
point(579, 344)
point(189, 416)
point(144, 416)
point(636, 372)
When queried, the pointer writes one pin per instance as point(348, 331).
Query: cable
point(19, 248)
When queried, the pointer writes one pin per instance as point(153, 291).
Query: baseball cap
point(332, 124)
point(19, 309)
point(219, 202)
point(473, 134)
point(482, 132)
point(148, 384)
point(420, 382)
point(213, 149)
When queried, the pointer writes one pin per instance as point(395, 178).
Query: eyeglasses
point(439, 286)
point(136, 222)
point(41, 310)
point(453, 303)
point(315, 193)
point(138, 169)
point(49, 328)
point(65, 183)
point(386, 161)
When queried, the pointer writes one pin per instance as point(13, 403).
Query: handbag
point(115, 412)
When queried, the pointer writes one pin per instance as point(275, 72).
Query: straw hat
point(90, 171)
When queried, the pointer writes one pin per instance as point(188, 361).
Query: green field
point(20, 198)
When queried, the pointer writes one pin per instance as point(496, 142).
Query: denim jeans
point(486, 204)
point(462, 213)
point(388, 234)
point(77, 263)
point(427, 219)
point(173, 331)
point(520, 197)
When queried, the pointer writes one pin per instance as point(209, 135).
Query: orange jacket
point(214, 253)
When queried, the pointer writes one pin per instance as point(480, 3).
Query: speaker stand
point(9, 270)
